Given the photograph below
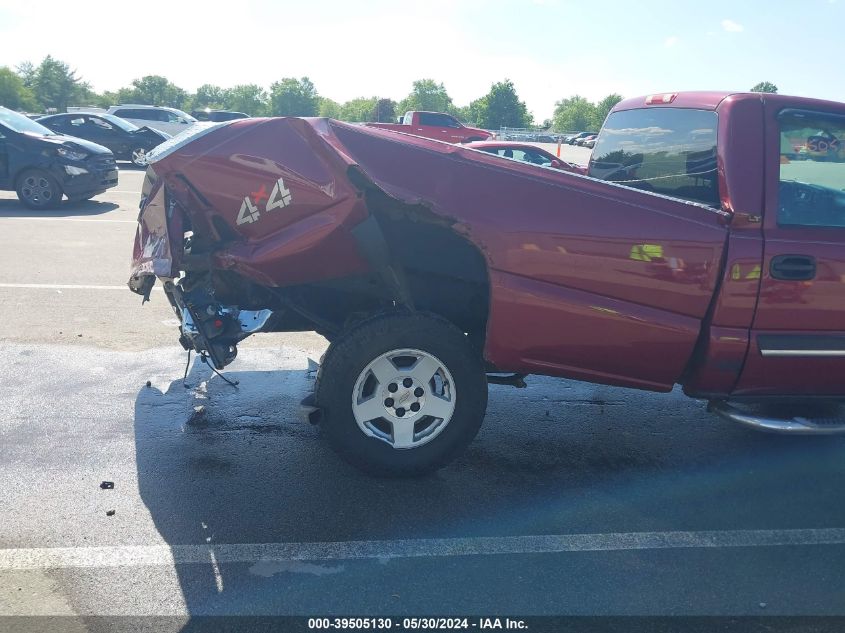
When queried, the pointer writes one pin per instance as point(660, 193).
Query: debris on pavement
point(199, 416)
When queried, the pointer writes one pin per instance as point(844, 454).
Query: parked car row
point(73, 154)
point(42, 165)
point(127, 141)
point(580, 138)
point(538, 137)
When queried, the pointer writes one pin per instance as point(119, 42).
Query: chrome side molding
point(792, 426)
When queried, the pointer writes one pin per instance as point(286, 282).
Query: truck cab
point(439, 126)
point(773, 163)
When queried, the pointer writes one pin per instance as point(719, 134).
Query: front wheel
point(139, 157)
point(37, 189)
point(401, 394)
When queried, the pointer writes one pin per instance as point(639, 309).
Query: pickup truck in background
point(704, 248)
point(437, 125)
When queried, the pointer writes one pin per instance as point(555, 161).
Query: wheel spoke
point(403, 433)
point(424, 369)
point(384, 370)
point(414, 387)
point(369, 409)
point(437, 407)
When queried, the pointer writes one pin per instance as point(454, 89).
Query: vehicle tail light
point(667, 97)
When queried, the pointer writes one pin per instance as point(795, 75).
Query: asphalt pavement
point(574, 499)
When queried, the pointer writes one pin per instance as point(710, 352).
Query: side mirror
point(557, 163)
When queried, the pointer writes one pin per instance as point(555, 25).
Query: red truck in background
point(705, 247)
point(437, 125)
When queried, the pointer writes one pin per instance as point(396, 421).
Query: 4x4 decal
point(279, 198)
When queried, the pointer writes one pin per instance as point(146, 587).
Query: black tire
point(37, 189)
point(350, 354)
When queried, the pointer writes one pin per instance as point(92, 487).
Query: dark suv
point(41, 165)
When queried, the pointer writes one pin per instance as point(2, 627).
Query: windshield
point(19, 123)
point(116, 121)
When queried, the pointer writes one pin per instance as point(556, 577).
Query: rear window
point(671, 151)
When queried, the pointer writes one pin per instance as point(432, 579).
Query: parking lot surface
point(574, 498)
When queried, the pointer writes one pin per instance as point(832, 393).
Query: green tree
point(154, 90)
point(54, 84)
point(329, 108)
point(575, 113)
point(26, 71)
point(294, 97)
point(249, 98)
point(13, 93)
point(208, 96)
point(359, 110)
point(603, 108)
point(475, 111)
point(501, 107)
point(765, 86)
point(385, 111)
point(426, 94)
point(107, 99)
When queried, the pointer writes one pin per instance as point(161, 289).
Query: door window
point(100, 123)
point(142, 114)
point(435, 119)
point(536, 158)
point(812, 169)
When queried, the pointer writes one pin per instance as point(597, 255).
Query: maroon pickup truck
point(437, 125)
point(705, 247)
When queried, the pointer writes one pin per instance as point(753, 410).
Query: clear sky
point(550, 49)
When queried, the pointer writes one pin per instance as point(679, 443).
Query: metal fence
point(531, 135)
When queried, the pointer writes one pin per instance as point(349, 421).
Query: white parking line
point(137, 555)
point(45, 219)
point(65, 287)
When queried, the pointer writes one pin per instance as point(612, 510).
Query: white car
point(161, 118)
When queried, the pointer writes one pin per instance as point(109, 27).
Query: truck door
point(102, 132)
point(434, 125)
point(798, 335)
